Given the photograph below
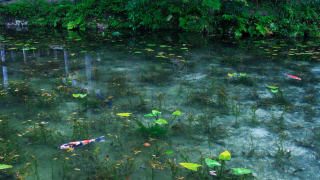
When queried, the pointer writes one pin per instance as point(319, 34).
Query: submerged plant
point(219, 167)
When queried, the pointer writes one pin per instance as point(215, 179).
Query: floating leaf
point(4, 166)
point(225, 156)
point(137, 52)
point(155, 112)
point(169, 152)
point(274, 90)
point(151, 44)
point(309, 42)
point(124, 114)
point(184, 48)
point(161, 121)
point(163, 46)
point(242, 74)
point(230, 75)
point(283, 44)
point(176, 113)
point(190, 166)
point(83, 95)
point(211, 163)
point(76, 95)
point(241, 171)
point(96, 150)
point(234, 74)
point(272, 87)
point(149, 115)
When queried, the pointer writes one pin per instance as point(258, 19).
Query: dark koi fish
point(80, 143)
point(290, 76)
point(100, 97)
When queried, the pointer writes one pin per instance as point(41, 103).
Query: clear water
point(273, 130)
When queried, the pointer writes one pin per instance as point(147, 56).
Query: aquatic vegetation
point(310, 98)
point(160, 127)
point(219, 167)
point(81, 96)
point(4, 166)
point(156, 75)
point(80, 129)
point(191, 166)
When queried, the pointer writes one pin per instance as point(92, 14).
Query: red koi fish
point(80, 143)
point(290, 76)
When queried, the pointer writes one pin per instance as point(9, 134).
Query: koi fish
point(290, 76)
point(80, 143)
point(100, 97)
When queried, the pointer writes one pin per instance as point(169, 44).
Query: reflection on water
point(232, 96)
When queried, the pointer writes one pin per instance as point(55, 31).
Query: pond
point(149, 101)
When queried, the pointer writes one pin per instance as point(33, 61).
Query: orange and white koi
point(290, 76)
point(80, 143)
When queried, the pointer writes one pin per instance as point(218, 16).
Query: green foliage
point(238, 17)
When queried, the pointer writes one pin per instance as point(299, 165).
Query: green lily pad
point(184, 48)
point(274, 90)
point(4, 166)
point(161, 121)
point(211, 163)
point(225, 156)
point(155, 112)
point(151, 44)
point(242, 74)
point(148, 115)
point(190, 166)
point(283, 44)
point(272, 87)
point(170, 152)
point(75, 95)
point(176, 113)
point(137, 52)
point(241, 171)
point(309, 42)
point(83, 95)
point(163, 46)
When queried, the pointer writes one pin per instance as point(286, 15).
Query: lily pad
point(184, 48)
point(75, 95)
point(170, 152)
point(176, 113)
point(272, 87)
point(241, 171)
point(242, 74)
point(151, 44)
point(161, 121)
point(155, 112)
point(124, 114)
point(211, 163)
point(83, 95)
point(225, 156)
point(190, 166)
point(4, 166)
point(274, 90)
point(148, 115)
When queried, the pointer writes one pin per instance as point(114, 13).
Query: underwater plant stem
point(170, 122)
